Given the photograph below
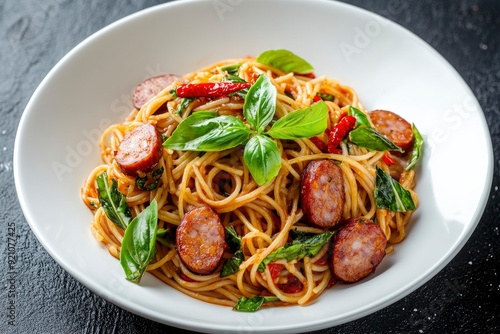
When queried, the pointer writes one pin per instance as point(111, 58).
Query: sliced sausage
point(394, 127)
point(322, 193)
point(140, 150)
point(149, 88)
point(358, 248)
point(200, 240)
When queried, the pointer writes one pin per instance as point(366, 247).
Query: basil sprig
point(298, 248)
point(285, 60)
point(390, 194)
point(253, 304)
point(205, 131)
point(113, 201)
point(138, 243)
point(418, 144)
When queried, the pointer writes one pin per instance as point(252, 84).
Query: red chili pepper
point(387, 159)
point(275, 270)
point(307, 75)
point(210, 89)
point(316, 98)
point(322, 261)
point(340, 131)
point(319, 144)
point(293, 284)
point(331, 282)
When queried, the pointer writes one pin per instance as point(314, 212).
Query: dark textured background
point(34, 35)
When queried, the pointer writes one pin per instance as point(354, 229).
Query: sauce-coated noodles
point(264, 215)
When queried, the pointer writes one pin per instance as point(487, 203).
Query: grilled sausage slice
point(322, 193)
point(140, 150)
point(358, 248)
point(394, 127)
point(149, 88)
point(200, 240)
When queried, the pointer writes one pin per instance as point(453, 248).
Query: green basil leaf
point(184, 104)
point(361, 117)
point(285, 60)
point(185, 132)
point(326, 97)
point(205, 131)
point(165, 237)
point(112, 201)
point(253, 304)
point(232, 266)
point(233, 240)
point(140, 183)
point(298, 249)
point(390, 195)
point(300, 237)
point(161, 232)
point(235, 78)
point(144, 183)
point(303, 123)
point(231, 69)
point(418, 145)
point(260, 103)
point(371, 139)
point(262, 158)
point(138, 244)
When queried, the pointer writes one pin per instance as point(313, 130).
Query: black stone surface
point(34, 35)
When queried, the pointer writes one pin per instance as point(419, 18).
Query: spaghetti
point(264, 216)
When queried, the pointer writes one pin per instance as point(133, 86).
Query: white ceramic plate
point(389, 67)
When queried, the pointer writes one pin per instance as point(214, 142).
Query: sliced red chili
point(387, 159)
point(322, 261)
point(307, 75)
point(275, 270)
point(331, 282)
point(293, 284)
point(319, 144)
point(340, 131)
point(210, 89)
